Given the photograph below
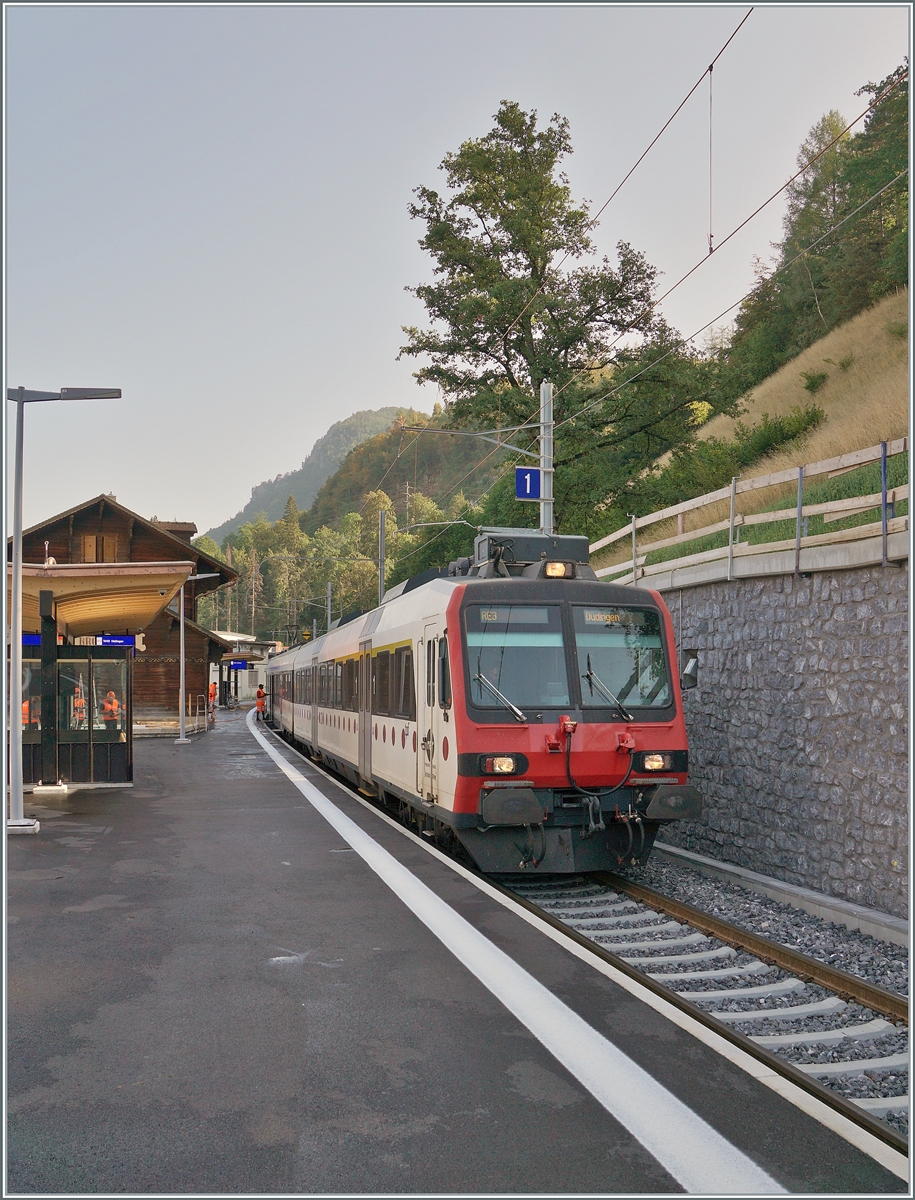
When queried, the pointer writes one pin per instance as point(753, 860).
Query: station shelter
point(77, 688)
point(101, 625)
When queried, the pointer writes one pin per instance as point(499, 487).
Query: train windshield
point(620, 652)
point(516, 656)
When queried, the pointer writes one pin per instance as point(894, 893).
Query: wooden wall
point(157, 669)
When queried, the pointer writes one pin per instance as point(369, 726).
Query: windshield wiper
point(595, 681)
point(515, 712)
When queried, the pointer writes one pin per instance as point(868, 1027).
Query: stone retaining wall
point(798, 729)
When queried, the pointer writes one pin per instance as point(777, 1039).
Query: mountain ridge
point(304, 483)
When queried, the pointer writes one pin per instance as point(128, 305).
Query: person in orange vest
point(260, 699)
point(110, 712)
point(79, 707)
point(31, 713)
point(211, 702)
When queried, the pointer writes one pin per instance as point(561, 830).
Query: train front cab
point(574, 785)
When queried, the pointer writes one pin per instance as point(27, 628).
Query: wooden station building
point(103, 538)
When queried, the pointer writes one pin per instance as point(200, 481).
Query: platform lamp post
point(182, 740)
point(21, 396)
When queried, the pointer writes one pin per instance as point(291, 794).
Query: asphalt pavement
point(211, 991)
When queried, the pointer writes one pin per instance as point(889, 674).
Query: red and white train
point(515, 705)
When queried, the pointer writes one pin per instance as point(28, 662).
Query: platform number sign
point(527, 483)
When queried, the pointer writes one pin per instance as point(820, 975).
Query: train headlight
point(499, 764)
point(657, 762)
point(558, 570)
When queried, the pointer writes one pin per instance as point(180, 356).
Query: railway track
point(814, 1024)
point(832, 1033)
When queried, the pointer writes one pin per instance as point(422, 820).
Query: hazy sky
point(207, 206)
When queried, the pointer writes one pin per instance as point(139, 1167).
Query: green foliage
point(813, 380)
point(404, 464)
point(854, 266)
point(711, 464)
point(506, 317)
point(208, 546)
point(899, 329)
point(862, 482)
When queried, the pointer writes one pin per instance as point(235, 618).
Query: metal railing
point(886, 500)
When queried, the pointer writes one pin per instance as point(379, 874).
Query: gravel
point(882, 963)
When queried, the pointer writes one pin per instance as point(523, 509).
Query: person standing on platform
point(211, 703)
point(111, 712)
point(261, 702)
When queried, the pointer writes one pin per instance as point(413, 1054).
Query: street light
point(181, 739)
point(21, 397)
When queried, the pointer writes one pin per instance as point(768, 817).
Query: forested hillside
point(269, 498)
point(643, 415)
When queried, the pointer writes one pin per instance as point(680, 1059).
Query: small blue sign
point(238, 664)
point(527, 483)
point(31, 639)
point(115, 639)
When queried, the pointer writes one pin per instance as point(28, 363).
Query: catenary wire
point(593, 221)
point(635, 165)
point(654, 304)
point(684, 341)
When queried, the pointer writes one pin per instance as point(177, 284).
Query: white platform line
point(695, 1154)
point(826, 1116)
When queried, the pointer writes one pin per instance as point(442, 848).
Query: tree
point(507, 315)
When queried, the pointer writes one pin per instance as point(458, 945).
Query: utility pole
point(314, 629)
point(328, 604)
point(546, 457)
point(253, 585)
point(381, 520)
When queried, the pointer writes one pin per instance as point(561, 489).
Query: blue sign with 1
point(527, 483)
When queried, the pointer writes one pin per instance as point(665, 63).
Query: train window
point(515, 652)
point(621, 651)
point(430, 672)
point(308, 685)
point(349, 684)
point(322, 685)
point(404, 690)
point(381, 683)
point(338, 685)
point(444, 674)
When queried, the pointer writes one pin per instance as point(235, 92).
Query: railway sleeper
point(857, 1066)
point(826, 1037)
point(797, 1012)
point(698, 956)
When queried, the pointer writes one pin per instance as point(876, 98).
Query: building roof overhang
point(100, 597)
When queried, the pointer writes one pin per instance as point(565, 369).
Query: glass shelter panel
point(623, 650)
point(517, 650)
point(31, 700)
point(73, 709)
point(109, 691)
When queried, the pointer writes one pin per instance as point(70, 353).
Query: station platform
point(238, 977)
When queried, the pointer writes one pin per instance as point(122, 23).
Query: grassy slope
point(866, 403)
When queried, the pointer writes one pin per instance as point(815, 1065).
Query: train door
point(314, 703)
point(364, 690)
point(427, 760)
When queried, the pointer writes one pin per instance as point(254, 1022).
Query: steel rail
point(890, 1004)
point(778, 1065)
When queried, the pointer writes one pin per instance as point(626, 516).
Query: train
point(511, 707)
